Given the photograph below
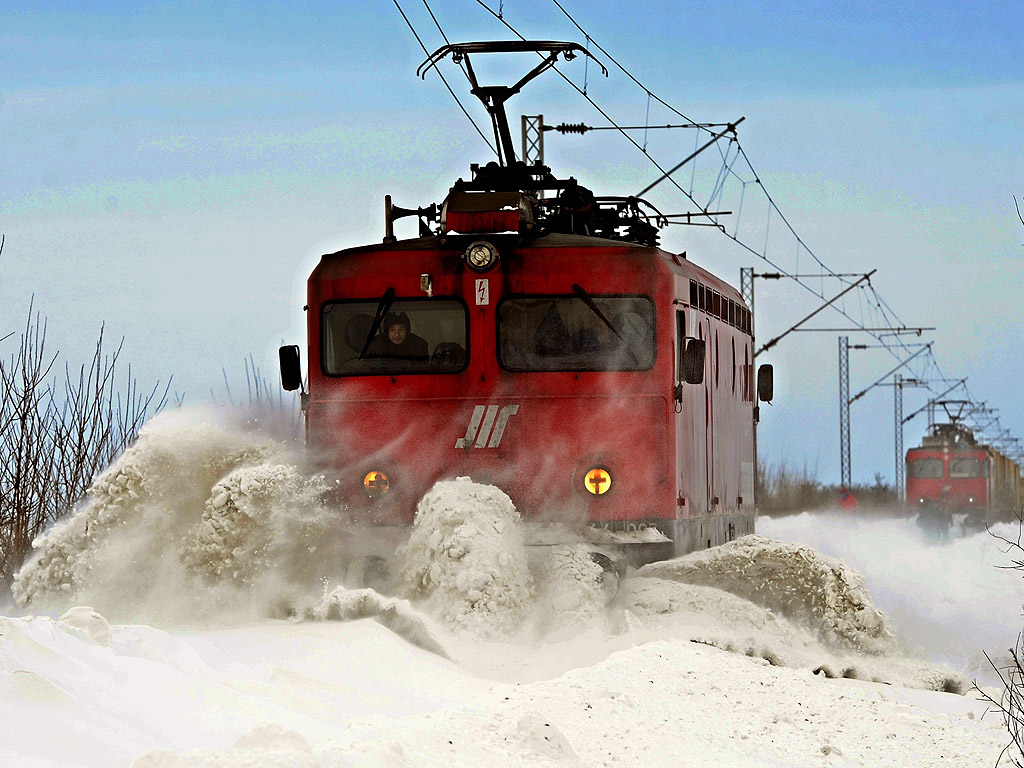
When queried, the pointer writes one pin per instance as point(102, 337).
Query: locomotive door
point(709, 418)
point(692, 447)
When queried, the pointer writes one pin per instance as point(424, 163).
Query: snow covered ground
point(226, 630)
point(357, 694)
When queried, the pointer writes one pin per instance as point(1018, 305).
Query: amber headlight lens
point(376, 484)
point(597, 481)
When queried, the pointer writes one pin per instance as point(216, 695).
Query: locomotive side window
point(964, 468)
point(413, 336)
point(565, 333)
point(716, 359)
point(748, 375)
point(926, 468)
point(734, 366)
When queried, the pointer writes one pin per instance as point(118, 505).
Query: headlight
point(481, 256)
point(597, 481)
point(376, 484)
point(970, 499)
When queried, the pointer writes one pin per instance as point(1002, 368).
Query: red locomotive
point(950, 473)
point(535, 337)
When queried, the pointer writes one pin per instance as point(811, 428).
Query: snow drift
point(790, 579)
point(354, 695)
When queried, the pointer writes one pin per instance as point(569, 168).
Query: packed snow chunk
point(731, 623)
point(704, 608)
point(573, 593)
point(466, 558)
point(262, 520)
point(790, 579)
point(341, 604)
point(116, 542)
point(83, 619)
point(540, 740)
point(574, 581)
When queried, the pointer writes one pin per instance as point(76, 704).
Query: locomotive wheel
point(610, 575)
point(369, 572)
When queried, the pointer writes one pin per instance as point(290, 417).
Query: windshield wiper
point(382, 309)
point(578, 290)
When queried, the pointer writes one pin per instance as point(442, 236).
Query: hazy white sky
point(175, 171)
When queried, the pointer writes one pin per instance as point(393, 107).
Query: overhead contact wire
point(719, 186)
point(446, 40)
point(885, 311)
point(625, 71)
point(604, 114)
point(443, 80)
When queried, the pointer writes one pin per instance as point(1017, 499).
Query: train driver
point(397, 340)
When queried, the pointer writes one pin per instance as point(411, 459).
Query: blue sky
point(175, 170)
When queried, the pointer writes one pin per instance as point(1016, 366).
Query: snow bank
point(329, 694)
point(790, 579)
point(954, 600)
point(466, 559)
point(657, 607)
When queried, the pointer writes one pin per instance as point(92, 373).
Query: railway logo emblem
point(486, 421)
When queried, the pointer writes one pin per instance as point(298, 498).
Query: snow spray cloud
point(954, 600)
point(196, 517)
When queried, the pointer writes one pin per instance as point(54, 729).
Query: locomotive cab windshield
point(435, 339)
point(565, 333)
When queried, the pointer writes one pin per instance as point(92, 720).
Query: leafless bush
point(267, 406)
point(1011, 701)
point(57, 433)
point(783, 489)
point(1011, 673)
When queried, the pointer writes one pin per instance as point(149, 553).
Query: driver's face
point(397, 333)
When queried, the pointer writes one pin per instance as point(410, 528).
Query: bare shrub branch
point(1011, 675)
point(55, 437)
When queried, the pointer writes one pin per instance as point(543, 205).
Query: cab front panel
point(557, 383)
point(950, 480)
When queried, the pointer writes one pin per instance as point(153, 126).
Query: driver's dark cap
point(396, 318)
